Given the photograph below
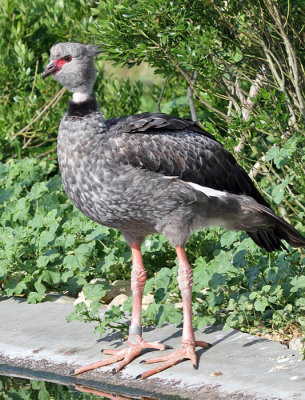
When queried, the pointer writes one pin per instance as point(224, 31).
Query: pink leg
point(135, 343)
point(187, 350)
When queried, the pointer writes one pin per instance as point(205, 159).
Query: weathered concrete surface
point(238, 366)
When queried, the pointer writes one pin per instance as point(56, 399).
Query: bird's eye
point(67, 58)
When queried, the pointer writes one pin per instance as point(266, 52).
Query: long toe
point(98, 364)
point(200, 343)
point(173, 358)
point(155, 345)
point(110, 351)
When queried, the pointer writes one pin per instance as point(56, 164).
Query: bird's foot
point(126, 355)
point(187, 351)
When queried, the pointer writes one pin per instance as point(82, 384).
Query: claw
point(138, 376)
point(200, 343)
point(113, 371)
point(142, 361)
point(168, 347)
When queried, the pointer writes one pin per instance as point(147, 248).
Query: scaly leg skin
point(135, 343)
point(187, 350)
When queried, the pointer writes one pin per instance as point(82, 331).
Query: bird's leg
point(135, 343)
point(187, 350)
point(138, 278)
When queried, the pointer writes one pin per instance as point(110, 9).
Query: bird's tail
point(277, 229)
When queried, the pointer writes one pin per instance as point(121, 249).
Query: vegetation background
point(237, 67)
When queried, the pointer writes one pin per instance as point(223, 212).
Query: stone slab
point(36, 339)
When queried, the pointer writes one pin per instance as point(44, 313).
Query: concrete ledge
point(35, 340)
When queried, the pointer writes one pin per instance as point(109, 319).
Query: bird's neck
point(81, 97)
point(85, 108)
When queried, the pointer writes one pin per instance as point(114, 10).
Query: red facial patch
point(59, 63)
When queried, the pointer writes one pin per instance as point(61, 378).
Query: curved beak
point(50, 69)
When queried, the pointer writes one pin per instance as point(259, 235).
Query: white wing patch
point(208, 191)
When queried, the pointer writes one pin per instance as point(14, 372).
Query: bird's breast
point(108, 192)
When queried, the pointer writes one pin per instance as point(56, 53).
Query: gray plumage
point(152, 173)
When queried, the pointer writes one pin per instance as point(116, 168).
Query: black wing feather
point(179, 147)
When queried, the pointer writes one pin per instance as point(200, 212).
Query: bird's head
point(71, 64)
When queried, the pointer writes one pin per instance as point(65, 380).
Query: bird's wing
point(181, 148)
point(147, 122)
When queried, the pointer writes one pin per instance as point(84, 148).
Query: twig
point(292, 59)
point(256, 168)
point(230, 101)
point(247, 104)
point(162, 93)
point(35, 76)
point(56, 98)
point(188, 79)
point(191, 98)
point(42, 143)
point(46, 152)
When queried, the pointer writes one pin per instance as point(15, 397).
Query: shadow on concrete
point(255, 341)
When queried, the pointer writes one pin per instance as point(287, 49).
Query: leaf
point(272, 153)
point(214, 299)
point(50, 277)
point(54, 183)
point(37, 191)
point(253, 295)
point(252, 274)
point(5, 194)
point(217, 280)
point(278, 191)
point(71, 263)
point(13, 287)
point(163, 278)
point(82, 253)
point(160, 295)
point(298, 282)
point(261, 304)
point(3, 170)
point(40, 287)
point(96, 291)
point(228, 238)
point(300, 302)
point(167, 313)
point(34, 297)
point(45, 238)
point(97, 234)
point(239, 260)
